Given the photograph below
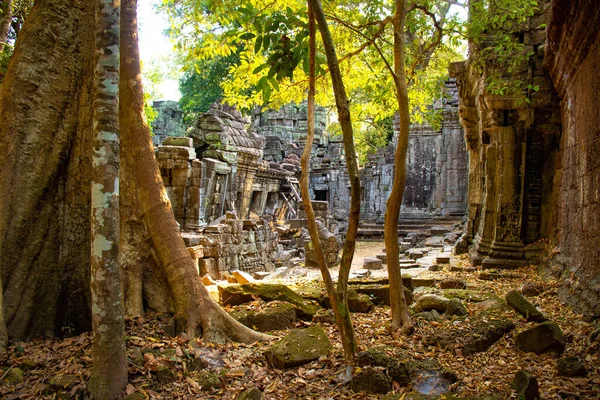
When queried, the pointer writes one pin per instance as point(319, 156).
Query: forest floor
point(61, 368)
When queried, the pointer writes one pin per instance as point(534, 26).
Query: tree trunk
point(46, 134)
point(7, 15)
point(339, 307)
point(400, 314)
point(109, 368)
point(343, 109)
point(45, 137)
point(193, 304)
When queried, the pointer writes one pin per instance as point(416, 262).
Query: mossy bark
point(109, 369)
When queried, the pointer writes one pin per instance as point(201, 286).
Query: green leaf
point(266, 42)
point(257, 44)
point(247, 36)
point(259, 68)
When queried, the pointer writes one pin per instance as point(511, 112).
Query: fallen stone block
point(526, 386)
point(272, 318)
point(372, 263)
point(415, 254)
point(208, 281)
point(260, 275)
point(299, 347)
point(457, 308)
point(452, 283)
point(476, 337)
point(545, 337)
point(242, 277)
point(570, 366)
point(430, 302)
point(442, 259)
point(235, 295)
point(524, 307)
point(372, 381)
point(382, 257)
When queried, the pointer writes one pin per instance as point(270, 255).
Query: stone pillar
point(507, 246)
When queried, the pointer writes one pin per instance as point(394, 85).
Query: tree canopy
point(270, 40)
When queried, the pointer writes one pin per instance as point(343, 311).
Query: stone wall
point(573, 58)
point(512, 144)
point(168, 122)
point(436, 176)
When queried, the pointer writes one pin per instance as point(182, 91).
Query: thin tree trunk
point(343, 109)
point(193, 304)
point(339, 307)
point(7, 15)
point(400, 314)
point(109, 368)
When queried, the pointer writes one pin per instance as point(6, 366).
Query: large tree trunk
point(343, 109)
point(400, 314)
point(45, 135)
point(5, 22)
point(109, 368)
point(338, 305)
point(193, 304)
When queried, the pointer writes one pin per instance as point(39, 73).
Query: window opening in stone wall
point(322, 195)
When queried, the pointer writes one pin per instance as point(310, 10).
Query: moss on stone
point(300, 346)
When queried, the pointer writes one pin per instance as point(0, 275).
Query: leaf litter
point(61, 368)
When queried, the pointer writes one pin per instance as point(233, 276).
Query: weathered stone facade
point(511, 143)
point(573, 58)
point(436, 177)
point(534, 171)
point(168, 122)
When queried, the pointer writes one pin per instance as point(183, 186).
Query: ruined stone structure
point(511, 142)
point(534, 169)
point(250, 172)
point(219, 170)
point(285, 131)
point(437, 163)
point(573, 59)
point(436, 181)
point(168, 122)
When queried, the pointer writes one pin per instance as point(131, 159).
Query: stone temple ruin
point(232, 182)
point(518, 173)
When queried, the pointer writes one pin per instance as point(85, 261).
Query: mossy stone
point(299, 347)
point(208, 380)
point(13, 376)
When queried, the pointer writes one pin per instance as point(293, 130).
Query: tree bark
point(343, 109)
point(7, 15)
point(400, 314)
point(45, 137)
point(193, 304)
point(109, 369)
point(339, 307)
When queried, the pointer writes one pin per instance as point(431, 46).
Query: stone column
point(507, 246)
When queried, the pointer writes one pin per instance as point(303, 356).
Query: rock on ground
point(524, 307)
point(570, 366)
point(526, 386)
point(299, 347)
point(235, 295)
point(371, 380)
point(545, 337)
point(271, 318)
point(430, 302)
point(250, 394)
point(477, 337)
